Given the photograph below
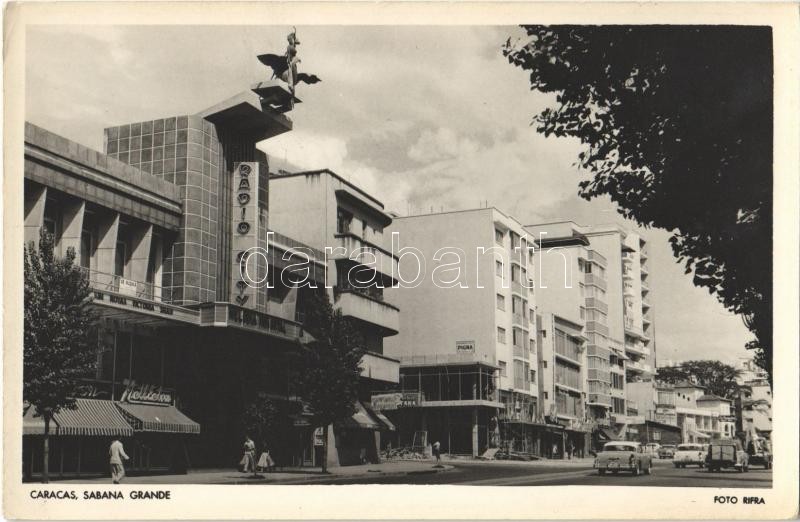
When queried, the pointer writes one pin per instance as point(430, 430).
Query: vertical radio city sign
point(245, 224)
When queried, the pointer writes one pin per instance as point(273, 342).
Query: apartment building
point(467, 345)
point(576, 359)
point(327, 212)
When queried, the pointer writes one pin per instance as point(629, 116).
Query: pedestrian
point(265, 461)
point(437, 451)
point(116, 454)
point(571, 449)
point(249, 458)
point(555, 450)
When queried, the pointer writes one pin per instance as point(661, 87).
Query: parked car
point(623, 456)
point(687, 454)
point(651, 448)
point(759, 452)
point(726, 453)
point(667, 451)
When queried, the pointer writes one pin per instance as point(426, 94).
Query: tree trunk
point(46, 450)
point(325, 449)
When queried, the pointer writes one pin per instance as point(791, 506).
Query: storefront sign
point(465, 346)
point(394, 401)
point(127, 287)
point(319, 437)
point(145, 394)
point(93, 390)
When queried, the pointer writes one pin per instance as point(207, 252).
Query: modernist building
point(467, 343)
point(754, 404)
point(332, 215)
point(160, 222)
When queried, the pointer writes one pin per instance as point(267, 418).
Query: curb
point(332, 477)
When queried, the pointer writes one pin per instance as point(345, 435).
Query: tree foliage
point(59, 346)
point(716, 377)
point(676, 128)
point(330, 365)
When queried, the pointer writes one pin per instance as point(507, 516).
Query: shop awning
point(381, 418)
point(608, 434)
point(698, 434)
point(91, 417)
point(361, 419)
point(164, 419)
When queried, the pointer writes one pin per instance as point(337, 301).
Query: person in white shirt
point(116, 455)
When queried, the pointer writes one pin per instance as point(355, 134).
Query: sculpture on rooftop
point(284, 67)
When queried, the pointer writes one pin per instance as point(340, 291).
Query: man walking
point(116, 454)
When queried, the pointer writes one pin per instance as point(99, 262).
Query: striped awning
point(163, 419)
point(91, 417)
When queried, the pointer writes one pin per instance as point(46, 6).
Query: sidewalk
point(282, 476)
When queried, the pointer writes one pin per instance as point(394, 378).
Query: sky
point(424, 118)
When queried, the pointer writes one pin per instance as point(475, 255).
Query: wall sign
point(135, 393)
point(247, 271)
point(465, 346)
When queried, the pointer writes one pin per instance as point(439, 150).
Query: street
point(470, 473)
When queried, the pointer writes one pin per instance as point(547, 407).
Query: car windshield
point(690, 447)
point(668, 446)
point(619, 447)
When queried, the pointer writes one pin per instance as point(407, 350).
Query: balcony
point(647, 319)
point(599, 399)
point(638, 367)
point(644, 269)
point(380, 368)
point(592, 350)
point(370, 310)
point(645, 304)
point(597, 304)
point(594, 256)
point(598, 375)
point(632, 408)
point(591, 279)
point(595, 326)
point(632, 329)
point(362, 251)
point(637, 349)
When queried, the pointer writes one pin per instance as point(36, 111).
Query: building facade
point(161, 223)
point(467, 343)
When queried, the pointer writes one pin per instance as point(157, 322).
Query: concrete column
point(35, 199)
point(72, 228)
point(333, 452)
point(141, 241)
point(475, 432)
point(377, 446)
point(107, 230)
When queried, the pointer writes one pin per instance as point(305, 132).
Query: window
point(533, 376)
point(583, 289)
point(498, 268)
point(119, 258)
point(498, 237)
point(544, 364)
point(343, 221)
point(545, 395)
point(501, 335)
point(531, 345)
point(503, 368)
point(501, 302)
point(583, 312)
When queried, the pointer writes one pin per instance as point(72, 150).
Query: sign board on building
point(135, 393)
point(394, 401)
point(319, 437)
point(249, 269)
point(127, 287)
point(465, 346)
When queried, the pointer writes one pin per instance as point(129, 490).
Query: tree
point(717, 377)
point(331, 368)
point(676, 125)
point(59, 346)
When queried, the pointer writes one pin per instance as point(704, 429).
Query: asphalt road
point(519, 474)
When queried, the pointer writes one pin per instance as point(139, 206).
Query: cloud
point(440, 145)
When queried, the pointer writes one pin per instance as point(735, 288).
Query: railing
point(591, 279)
point(598, 375)
point(118, 284)
point(593, 255)
point(446, 358)
point(384, 261)
point(595, 326)
point(281, 240)
point(597, 304)
point(599, 399)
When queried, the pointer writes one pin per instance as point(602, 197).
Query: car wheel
point(712, 469)
point(767, 465)
point(746, 468)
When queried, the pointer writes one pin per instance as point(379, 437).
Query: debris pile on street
point(405, 453)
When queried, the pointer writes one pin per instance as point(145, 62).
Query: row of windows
point(521, 370)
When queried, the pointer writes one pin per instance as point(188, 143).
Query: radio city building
point(160, 222)
point(466, 345)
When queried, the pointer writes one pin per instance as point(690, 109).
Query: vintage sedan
point(623, 456)
point(666, 451)
point(687, 454)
